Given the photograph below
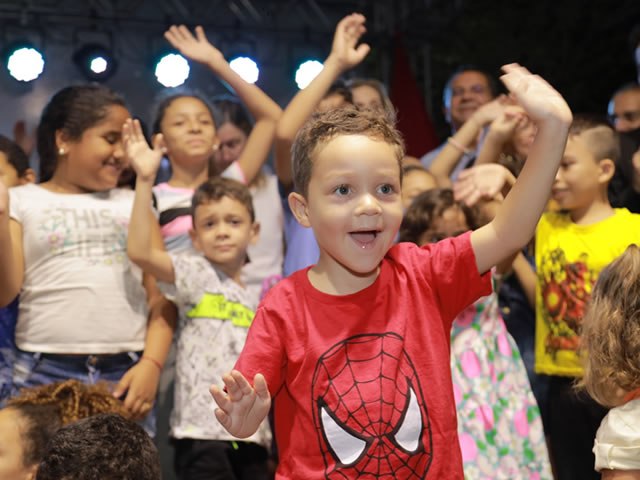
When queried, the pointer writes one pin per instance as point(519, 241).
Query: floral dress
point(499, 424)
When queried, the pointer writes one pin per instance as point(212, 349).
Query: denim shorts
point(32, 369)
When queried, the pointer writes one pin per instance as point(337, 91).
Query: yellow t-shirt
point(569, 258)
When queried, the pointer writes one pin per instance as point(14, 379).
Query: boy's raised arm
point(515, 222)
point(242, 408)
point(344, 56)
point(141, 247)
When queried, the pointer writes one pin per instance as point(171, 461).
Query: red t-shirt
point(362, 382)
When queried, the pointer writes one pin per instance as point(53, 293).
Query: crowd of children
point(351, 313)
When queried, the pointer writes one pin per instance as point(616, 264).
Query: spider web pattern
point(364, 384)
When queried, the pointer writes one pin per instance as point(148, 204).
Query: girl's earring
point(216, 147)
point(61, 151)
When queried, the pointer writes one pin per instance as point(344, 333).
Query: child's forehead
point(353, 148)
point(222, 206)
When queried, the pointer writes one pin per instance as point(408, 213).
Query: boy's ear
point(29, 176)
point(298, 206)
point(607, 169)
point(254, 233)
point(195, 240)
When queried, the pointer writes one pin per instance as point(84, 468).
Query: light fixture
point(24, 62)
point(95, 61)
point(307, 71)
point(172, 70)
point(246, 68)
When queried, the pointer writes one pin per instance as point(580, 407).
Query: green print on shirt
point(217, 306)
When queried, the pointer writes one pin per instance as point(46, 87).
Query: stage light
point(96, 62)
point(172, 70)
point(25, 63)
point(306, 72)
point(246, 68)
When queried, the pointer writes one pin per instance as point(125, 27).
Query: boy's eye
point(112, 138)
point(342, 190)
point(386, 189)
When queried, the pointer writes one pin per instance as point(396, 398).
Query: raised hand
point(539, 99)
point(486, 181)
point(144, 160)
point(196, 48)
point(490, 111)
point(243, 407)
point(346, 37)
point(502, 128)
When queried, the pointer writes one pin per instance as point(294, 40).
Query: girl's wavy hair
point(610, 340)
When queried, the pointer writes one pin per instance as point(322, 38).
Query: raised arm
point(11, 256)
point(515, 222)
point(141, 247)
point(265, 111)
point(446, 161)
point(345, 54)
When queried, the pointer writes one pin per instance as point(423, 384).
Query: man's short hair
point(102, 447)
point(323, 127)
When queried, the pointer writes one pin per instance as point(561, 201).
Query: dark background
point(580, 46)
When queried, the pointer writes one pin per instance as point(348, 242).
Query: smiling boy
point(355, 349)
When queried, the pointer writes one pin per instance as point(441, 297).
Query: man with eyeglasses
point(467, 89)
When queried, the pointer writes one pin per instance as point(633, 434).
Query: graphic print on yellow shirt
point(569, 258)
point(566, 287)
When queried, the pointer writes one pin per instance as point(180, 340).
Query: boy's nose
point(368, 205)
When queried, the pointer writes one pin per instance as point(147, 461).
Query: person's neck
point(234, 272)
point(59, 184)
point(597, 211)
point(185, 177)
point(332, 278)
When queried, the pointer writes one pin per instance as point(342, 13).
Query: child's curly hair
point(611, 331)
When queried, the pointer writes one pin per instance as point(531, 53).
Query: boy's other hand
point(486, 181)
point(144, 160)
point(345, 39)
point(540, 100)
point(243, 407)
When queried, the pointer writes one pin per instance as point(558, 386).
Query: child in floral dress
point(499, 424)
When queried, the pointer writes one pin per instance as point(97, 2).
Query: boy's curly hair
point(44, 409)
point(323, 127)
point(611, 331)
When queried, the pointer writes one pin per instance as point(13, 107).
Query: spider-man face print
point(369, 412)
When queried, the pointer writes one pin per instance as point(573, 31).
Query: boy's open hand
point(540, 100)
point(345, 39)
point(144, 160)
point(486, 181)
point(243, 407)
point(196, 48)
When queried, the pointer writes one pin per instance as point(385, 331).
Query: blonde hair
point(611, 331)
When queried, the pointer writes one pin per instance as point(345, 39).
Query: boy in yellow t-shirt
point(572, 247)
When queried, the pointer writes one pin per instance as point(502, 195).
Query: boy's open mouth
point(364, 237)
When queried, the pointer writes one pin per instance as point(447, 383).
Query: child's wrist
point(153, 361)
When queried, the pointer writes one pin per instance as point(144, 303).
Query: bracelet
point(454, 143)
point(152, 360)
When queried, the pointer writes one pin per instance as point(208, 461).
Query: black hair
point(230, 110)
point(15, 155)
point(339, 87)
point(72, 110)
point(166, 101)
point(38, 423)
point(101, 447)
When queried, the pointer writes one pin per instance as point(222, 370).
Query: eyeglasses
point(629, 117)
